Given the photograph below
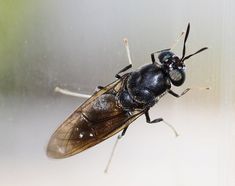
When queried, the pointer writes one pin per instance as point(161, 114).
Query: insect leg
point(177, 95)
point(129, 59)
point(123, 70)
point(186, 90)
point(172, 46)
point(70, 93)
point(177, 40)
point(123, 133)
point(114, 147)
point(100, 87)
point(153, 58)
point(148, 120)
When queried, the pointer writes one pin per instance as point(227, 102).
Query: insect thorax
point(143, 87)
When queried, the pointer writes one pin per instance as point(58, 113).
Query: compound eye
point(175, 58)
point(177, 76)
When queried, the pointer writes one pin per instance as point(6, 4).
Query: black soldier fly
point(114, 107)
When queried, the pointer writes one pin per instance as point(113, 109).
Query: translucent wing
point(97, 119)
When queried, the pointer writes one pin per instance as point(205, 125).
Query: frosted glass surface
point(78, 45)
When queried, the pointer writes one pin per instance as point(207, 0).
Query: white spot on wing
point(80, 135)
point(61, 149)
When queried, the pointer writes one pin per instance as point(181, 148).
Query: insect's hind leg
point(129, 59)
point(123, 133)
point(148, 120)
point(114, 147)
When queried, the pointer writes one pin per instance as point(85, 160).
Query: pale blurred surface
point(78, 45)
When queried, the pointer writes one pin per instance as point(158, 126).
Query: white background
point(78, 45)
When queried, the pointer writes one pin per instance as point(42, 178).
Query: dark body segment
point(144, 86)
point(149, 79)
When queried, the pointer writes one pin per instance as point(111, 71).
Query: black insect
point(114, 107)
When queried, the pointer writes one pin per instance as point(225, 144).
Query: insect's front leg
point(178, 95)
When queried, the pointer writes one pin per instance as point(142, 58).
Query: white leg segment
point(125, 40)
point(177, 40)
point(70, 93)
